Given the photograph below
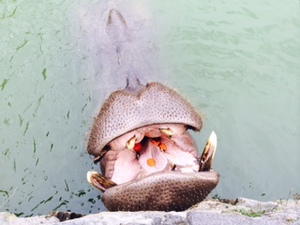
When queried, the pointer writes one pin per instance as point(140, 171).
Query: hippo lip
point(162, 191)
point(187, 178)
point(127, 110)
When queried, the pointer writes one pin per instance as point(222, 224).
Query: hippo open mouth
point(148, 159)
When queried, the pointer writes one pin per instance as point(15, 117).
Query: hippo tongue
point(153, 160)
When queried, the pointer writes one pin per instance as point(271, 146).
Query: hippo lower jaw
point(166, 173)
point(162, 191)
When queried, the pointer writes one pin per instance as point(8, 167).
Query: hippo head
point(148, 159)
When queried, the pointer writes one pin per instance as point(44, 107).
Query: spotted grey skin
point(167, 191)
point(148, 159)
point(124, 111)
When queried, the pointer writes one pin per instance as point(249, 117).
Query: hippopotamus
point(141, 138)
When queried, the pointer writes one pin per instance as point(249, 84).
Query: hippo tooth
point(89, 175)
point(166, 131)
point(153, 133)
point(212, 142)
point(130, 144)
point(139, 137)
point(99, 181)
point(173, 166)
point(208, 153)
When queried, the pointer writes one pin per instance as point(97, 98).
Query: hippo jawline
point(148, 159)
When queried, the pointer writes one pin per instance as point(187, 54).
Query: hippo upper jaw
point(127, 110)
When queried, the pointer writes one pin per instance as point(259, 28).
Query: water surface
point(236, 61)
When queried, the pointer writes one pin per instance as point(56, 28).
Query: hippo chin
point(148, 159)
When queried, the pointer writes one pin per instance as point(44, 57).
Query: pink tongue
point(153, 159)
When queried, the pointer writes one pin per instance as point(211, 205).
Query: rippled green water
point(236, 61)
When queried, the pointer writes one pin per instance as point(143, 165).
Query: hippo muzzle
point(148, 159)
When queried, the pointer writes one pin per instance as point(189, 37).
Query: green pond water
point(238, 62)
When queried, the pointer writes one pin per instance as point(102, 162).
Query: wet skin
point(148, 159)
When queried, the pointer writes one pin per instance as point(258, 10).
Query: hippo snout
point(148, 159)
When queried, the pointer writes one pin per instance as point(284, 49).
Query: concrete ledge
point(241, 211)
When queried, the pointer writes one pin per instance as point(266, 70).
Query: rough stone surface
point(242, 211)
